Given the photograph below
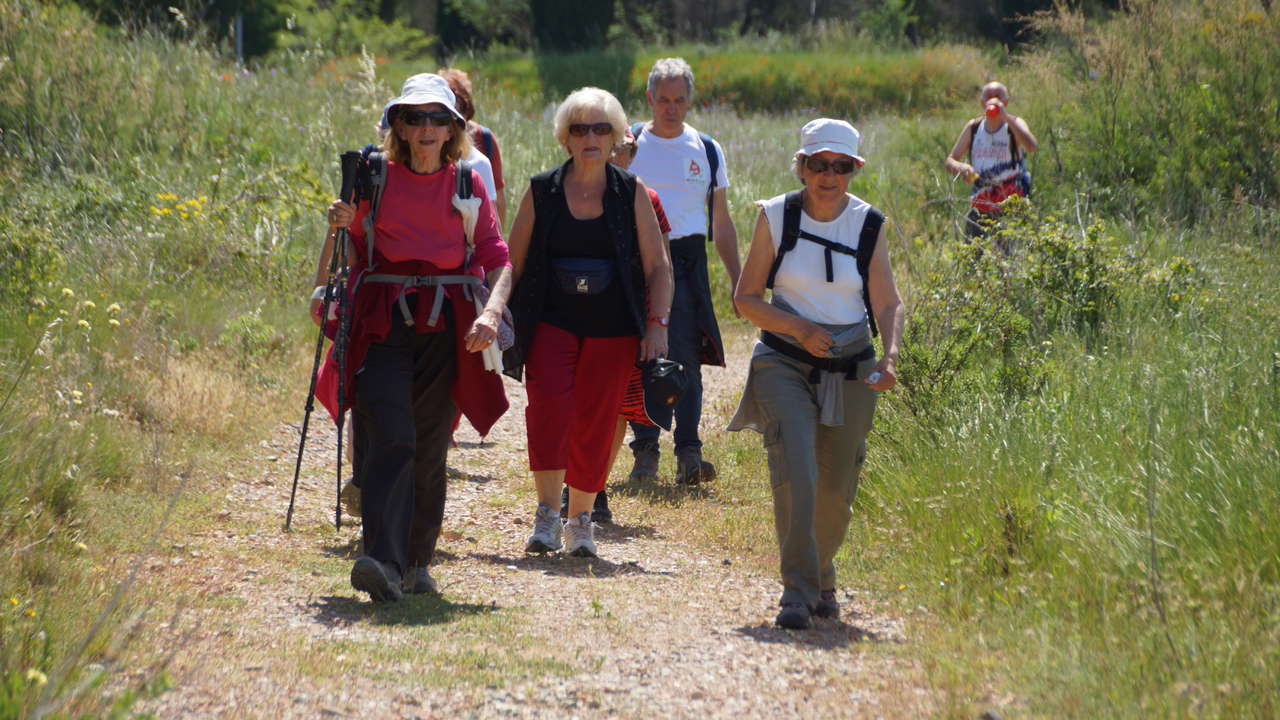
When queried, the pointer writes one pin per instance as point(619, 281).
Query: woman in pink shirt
point(414, 351)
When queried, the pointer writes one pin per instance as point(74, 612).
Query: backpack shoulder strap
point(790, 232)
point(866, 248)
point(377, 179)
point(713, 164)
point(463, 176)
point(486, 142)
point(637, 130)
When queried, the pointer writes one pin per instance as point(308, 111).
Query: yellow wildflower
point(113, 322)
point(34, 675)
point(89, 304)
point(31, 612)
point(184, 215)
point(83, 324)
point(68, 292)
point(156, 210)
point(13, 601)
point(113, 308)
point(77, 393)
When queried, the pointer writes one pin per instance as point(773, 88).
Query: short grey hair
point(584, 100)
point(671, 69)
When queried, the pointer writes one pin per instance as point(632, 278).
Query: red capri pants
point(575, 386)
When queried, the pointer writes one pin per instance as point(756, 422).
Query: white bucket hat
point(421, 90)
point(837, 136)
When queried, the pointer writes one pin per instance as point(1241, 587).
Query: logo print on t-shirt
point(693, 174)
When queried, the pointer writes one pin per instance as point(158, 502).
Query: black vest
point(530, 293)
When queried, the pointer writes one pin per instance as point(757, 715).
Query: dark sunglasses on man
point(819, 166)
point(439, 118)
point(581, 129)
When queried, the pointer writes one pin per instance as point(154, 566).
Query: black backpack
point(867, 240)
point(713, 161)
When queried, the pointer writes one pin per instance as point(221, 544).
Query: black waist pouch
point(582, 276)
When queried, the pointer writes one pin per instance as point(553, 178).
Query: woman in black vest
point(586, 248)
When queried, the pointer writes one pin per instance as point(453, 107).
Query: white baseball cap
point(837, 136)
point(421, 90)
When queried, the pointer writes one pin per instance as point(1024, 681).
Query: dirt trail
point(656, 628)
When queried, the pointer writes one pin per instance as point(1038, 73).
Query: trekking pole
point(340, 352)
point(348, 183)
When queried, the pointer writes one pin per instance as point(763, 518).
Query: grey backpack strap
point(377, 179)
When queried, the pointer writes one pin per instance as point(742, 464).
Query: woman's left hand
point(483, 332)
point(888, 375)
point(654, 344)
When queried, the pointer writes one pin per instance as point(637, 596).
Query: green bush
point(1172, 106)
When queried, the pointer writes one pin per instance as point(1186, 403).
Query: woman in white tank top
point(814, 377)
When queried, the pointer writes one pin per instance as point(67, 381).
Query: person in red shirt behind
point(413, 357)
point(481, 137)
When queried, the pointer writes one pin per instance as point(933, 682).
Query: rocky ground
point(658, 627)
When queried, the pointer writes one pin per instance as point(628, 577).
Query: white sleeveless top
point(802, 277)
point(991, 157)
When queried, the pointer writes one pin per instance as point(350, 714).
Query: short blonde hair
point(457, 147)
point(797, 167)
point(584, 100)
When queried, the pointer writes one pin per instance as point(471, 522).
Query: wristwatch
point(663, 321)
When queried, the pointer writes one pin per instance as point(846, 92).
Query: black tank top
point(605, 314)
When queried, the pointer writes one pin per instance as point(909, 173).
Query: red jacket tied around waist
point(418, 227)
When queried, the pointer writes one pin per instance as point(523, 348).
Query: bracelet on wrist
point(663, 321)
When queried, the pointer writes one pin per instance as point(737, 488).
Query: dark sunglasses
point(439, 118)
point(818, 165)
point(581, 129)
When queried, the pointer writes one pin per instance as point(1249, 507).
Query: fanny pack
point(582, 276)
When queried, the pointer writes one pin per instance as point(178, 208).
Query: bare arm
point(749, 296)
point(955, 163)
point(1026, 140)
point(887, 308)
point(726, 239)
point(520, 235)
point(500, 207)
point(657, 271)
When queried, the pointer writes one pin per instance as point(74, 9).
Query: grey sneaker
point(582, 540)
point(548, 531)
point(691, 469)
point(828, 606)
point(350, 497)
point(380, 581)
point(419, 582)
point(646, 467)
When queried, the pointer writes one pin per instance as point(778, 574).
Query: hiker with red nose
point(814, 376)
point(997, 145)
point(417, 331)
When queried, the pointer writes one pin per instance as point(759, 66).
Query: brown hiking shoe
point(351, 498)
point(828, 606)
point(691, 469)
point(646, 467)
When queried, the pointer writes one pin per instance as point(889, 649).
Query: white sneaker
point(548, 531)
point(582, 540)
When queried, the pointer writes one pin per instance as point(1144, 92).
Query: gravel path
point(657, 628)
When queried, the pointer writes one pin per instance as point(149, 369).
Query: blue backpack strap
point(866, 248)
point(378, 179)
point(713, 164)
point(637, 130)
point(790, 232)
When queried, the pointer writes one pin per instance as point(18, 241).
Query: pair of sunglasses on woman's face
point(581, 129)
point(819, 166)
point(439, 118)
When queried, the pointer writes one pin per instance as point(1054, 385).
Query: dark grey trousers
point(813, 470)
point(404, 418)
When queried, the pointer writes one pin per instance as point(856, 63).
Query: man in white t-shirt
point(677, 162)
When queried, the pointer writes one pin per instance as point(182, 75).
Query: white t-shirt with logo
point(802, 276)
point(678, 169)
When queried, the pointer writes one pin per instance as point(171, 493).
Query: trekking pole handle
point(350, 162)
